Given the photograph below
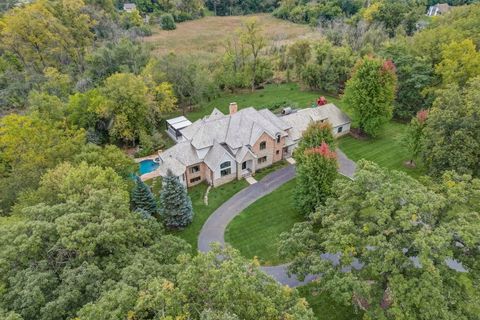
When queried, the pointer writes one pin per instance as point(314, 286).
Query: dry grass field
point(207, 36)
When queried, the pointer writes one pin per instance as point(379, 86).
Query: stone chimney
point(233, 108)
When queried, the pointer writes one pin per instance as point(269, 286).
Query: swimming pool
point(147, 166)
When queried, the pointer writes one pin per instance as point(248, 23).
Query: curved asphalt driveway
point(214, 228)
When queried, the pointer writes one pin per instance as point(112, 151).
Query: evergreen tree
point(176, 210)
point(315, 176)
point(143, 200)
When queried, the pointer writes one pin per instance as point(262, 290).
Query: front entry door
point(244, 165)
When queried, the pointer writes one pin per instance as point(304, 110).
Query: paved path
point(214, 228)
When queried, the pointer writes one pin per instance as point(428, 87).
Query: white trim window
point(225, 168)
point(263, 145)
point(195, 169)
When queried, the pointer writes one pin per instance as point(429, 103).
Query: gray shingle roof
point(183, 152)
point(236, 130)
point(172, 164)
point(234, 134)
point(300, 120)
point(215, 155)
point(129, 6)
point(242, 152)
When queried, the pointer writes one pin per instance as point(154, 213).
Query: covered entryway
point(247, 168)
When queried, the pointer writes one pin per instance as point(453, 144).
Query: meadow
point(206, 37)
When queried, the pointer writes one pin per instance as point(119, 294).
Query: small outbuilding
point(129, 7)
point(175, 125)
point(438, 9)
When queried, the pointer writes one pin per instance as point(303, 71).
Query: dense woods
point(82, 238)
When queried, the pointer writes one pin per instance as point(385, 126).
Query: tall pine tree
point(143, 200)
point(177, 211)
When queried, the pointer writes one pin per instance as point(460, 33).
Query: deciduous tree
point(403, 239)
point(452, 132)
point(460, 63)
point(415, 78)
point(29, 147)
point(315, 176)
point(128, 106)
point(251, 37)
point(202, 290)
point(370, 93)
point(414, 135)
point(74, 238)
point(313, 136)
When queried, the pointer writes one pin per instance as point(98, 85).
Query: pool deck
point(150, 175)
point(150, 157)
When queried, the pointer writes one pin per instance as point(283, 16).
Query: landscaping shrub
point(167, 22)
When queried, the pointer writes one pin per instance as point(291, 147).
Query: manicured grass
point(262, 98)
point(386, 150)
point(256, 230)
point(262, 173)
point(217, 196)
point(324, 307)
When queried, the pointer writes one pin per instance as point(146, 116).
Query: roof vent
point(287, 110)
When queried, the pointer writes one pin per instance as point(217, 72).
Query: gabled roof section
point(183, 152)
point(267, 114)
point(235, 130)
point(242, 153)
point(216, 112)
point(176, 167)
point(215, 156)
point(300, 120)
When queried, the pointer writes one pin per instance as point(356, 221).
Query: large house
point(129, 7)
point(220, 148)
point(438, 9)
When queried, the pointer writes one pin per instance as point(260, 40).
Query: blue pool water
point(147, 166)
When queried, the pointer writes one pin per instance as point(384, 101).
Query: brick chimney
point(233, 107)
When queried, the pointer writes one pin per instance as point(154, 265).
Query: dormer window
point(263, 145)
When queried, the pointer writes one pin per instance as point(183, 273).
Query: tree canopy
point(452, 132)
point(402, 249)
point(370, 93)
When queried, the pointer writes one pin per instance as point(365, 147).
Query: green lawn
point(272, 94)
point(324, 307)
point(386, 150)
point(262, 173)
point(217, 196)
point(256, 230)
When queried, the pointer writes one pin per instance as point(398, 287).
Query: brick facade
point(201, 173)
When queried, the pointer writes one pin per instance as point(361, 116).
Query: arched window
point(263, 145)
point(225, 168)
point(225, 164)
point(278, 138)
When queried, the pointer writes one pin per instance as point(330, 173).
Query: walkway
point(214, 228)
